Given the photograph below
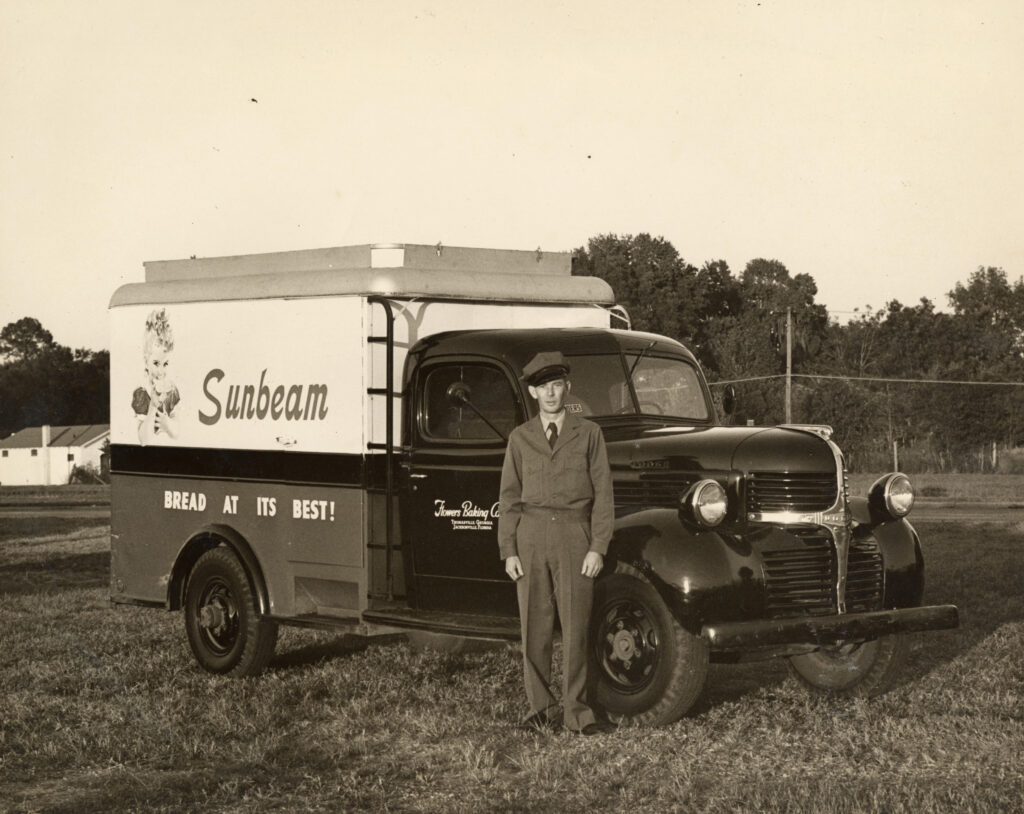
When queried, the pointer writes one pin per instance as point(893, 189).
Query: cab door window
point(448, 391)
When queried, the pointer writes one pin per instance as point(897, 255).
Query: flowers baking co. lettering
point(294, 402)
point(468, 517)
point(468, 510)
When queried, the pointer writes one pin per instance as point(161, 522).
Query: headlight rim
point(880, 497)
point(691, 503)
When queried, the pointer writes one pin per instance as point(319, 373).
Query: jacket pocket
point(573, 479)
point(533, 482)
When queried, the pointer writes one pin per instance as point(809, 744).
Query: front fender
point(902, 559)
point(701, 575)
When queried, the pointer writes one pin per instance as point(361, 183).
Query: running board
point(453, 624)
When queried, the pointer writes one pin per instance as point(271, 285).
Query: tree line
point(851, 375)
point(43, 382)
point(846, 374)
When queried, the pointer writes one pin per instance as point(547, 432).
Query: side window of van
point(445, 415)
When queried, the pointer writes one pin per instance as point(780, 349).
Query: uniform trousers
point(552, 544)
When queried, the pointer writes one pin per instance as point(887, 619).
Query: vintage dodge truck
point(316, 438)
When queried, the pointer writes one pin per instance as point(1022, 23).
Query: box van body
point(281, 427)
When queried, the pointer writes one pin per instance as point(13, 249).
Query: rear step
point(453, 624)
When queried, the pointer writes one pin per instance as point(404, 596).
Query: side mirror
point(458, 394)
point(729, 399)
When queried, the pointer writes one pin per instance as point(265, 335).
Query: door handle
point(417, 475)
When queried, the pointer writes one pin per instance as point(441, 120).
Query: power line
point(864, 379)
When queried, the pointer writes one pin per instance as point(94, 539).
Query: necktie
point(552, 434)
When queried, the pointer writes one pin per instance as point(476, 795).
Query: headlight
point(706, 503)
point(891, 496)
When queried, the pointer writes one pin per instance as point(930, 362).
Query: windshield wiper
point(640, 356)
point(459, 395)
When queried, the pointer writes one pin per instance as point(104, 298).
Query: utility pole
point(789, 365)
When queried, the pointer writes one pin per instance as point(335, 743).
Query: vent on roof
point(384, 256)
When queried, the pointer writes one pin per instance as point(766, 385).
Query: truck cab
point(381, 508)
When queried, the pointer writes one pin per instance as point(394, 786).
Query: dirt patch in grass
point(56, 561)
point(83, 493)
point(42, 527)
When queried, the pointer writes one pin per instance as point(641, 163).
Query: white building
point(46, 455)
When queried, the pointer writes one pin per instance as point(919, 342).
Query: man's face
point(550, 395)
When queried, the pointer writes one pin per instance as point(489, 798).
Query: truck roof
point(517, 346)
point(390, 270)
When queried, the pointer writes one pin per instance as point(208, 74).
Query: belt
point(557, 515)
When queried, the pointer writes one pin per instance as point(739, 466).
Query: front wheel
point(644, 666)
point(858, 670)
point(224, 627)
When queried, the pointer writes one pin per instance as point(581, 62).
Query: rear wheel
point(858, 670)
point(644, 666)
point(224, 627)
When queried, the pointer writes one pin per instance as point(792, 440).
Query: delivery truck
point(316, 437)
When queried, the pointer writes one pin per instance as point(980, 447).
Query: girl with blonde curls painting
point(154, 404)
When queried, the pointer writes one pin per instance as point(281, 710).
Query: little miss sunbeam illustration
point(154, 404)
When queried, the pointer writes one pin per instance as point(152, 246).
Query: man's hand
point(514, 567)
point(592, 564)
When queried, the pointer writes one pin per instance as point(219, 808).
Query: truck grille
point(651, 491)
point(791, 492)
point(801, 581)
point(864, 577)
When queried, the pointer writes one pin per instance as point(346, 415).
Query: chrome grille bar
point(808, 498)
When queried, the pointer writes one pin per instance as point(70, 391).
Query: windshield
point(664, 387)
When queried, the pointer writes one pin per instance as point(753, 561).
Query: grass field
point(104, 710)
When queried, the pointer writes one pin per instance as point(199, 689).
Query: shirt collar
point(559, 422)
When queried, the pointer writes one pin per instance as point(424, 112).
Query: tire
point(644, 666)
point(852, 671)
point(225, 630)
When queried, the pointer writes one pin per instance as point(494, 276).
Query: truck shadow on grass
point(979, 569)
point(329, 646)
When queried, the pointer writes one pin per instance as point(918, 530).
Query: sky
point(876, 146)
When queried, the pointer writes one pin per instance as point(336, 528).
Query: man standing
point(555, 523)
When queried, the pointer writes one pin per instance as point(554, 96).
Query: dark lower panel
point(314, 468)
point(484, 597)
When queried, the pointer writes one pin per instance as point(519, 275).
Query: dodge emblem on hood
point(659, 464)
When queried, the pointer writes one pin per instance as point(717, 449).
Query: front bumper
point(829, 630)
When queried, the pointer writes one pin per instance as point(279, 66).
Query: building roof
point(79, 435)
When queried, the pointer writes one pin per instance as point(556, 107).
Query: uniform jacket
point(573, 476)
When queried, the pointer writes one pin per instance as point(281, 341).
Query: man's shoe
point(597, 728)
point(539, 722)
